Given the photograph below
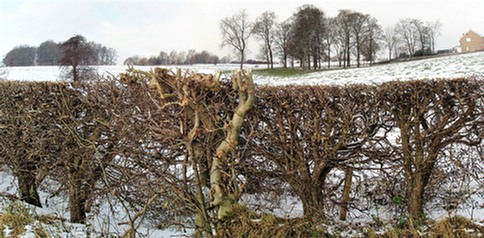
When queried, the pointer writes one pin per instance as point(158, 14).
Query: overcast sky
point(146, 27)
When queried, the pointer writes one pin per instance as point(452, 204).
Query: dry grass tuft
point(15, 217)
point(452, 227)
point(455, 227)
point(247, 224)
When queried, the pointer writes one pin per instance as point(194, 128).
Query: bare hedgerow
point(190, 127)
point(462, 191)
point(430, 116)
point(149, 140)
point(28, 132)
point(307, 132)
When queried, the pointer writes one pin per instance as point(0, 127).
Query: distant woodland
point(177, 58)
point(50, 53)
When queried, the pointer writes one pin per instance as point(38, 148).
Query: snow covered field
point(454, 66)
point(53, 73)
point(443, 67)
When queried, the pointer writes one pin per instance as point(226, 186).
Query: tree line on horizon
point(177, 58)
point(75, 56)
point(310, 37)
point(50, 53)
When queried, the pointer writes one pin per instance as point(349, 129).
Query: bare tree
point(306, 35)
point(412, 33)
point(407, 35)
point(163, 58)
point(103, 54)
point(355, 30)
point(77, 54)
point(372, 37)
point(343, 23)
point(422, 36)
point(330, 37)
point(236, 31)
point(358, 22)
point(264, 28)
point(338, 42)
point(282, 35)
point(174, 57)
point(434, 29)
point(189, 56)
point(47, 53)
point(391, 40)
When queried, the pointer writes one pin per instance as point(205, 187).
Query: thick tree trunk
point(77, 197)
point(358, 53)
point(77, 202)
point(285, 60)
point(26, 178)
point(311, 196)
point(315, 61)
point(346, 194)
point(242, 59)
point(348, 58)
point(418, 169)
point(415, 195)
point(271, 57)
point(309, 62)
point(313, 203)
point(75, 76)
point(371, 52)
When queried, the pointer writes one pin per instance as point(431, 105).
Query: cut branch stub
point(220, 189)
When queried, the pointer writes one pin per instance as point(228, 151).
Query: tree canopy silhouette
point(77, 54)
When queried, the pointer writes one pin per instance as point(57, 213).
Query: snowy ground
point(53, 73)
point(444, 67)
point(454, 66)
point(55, 210)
